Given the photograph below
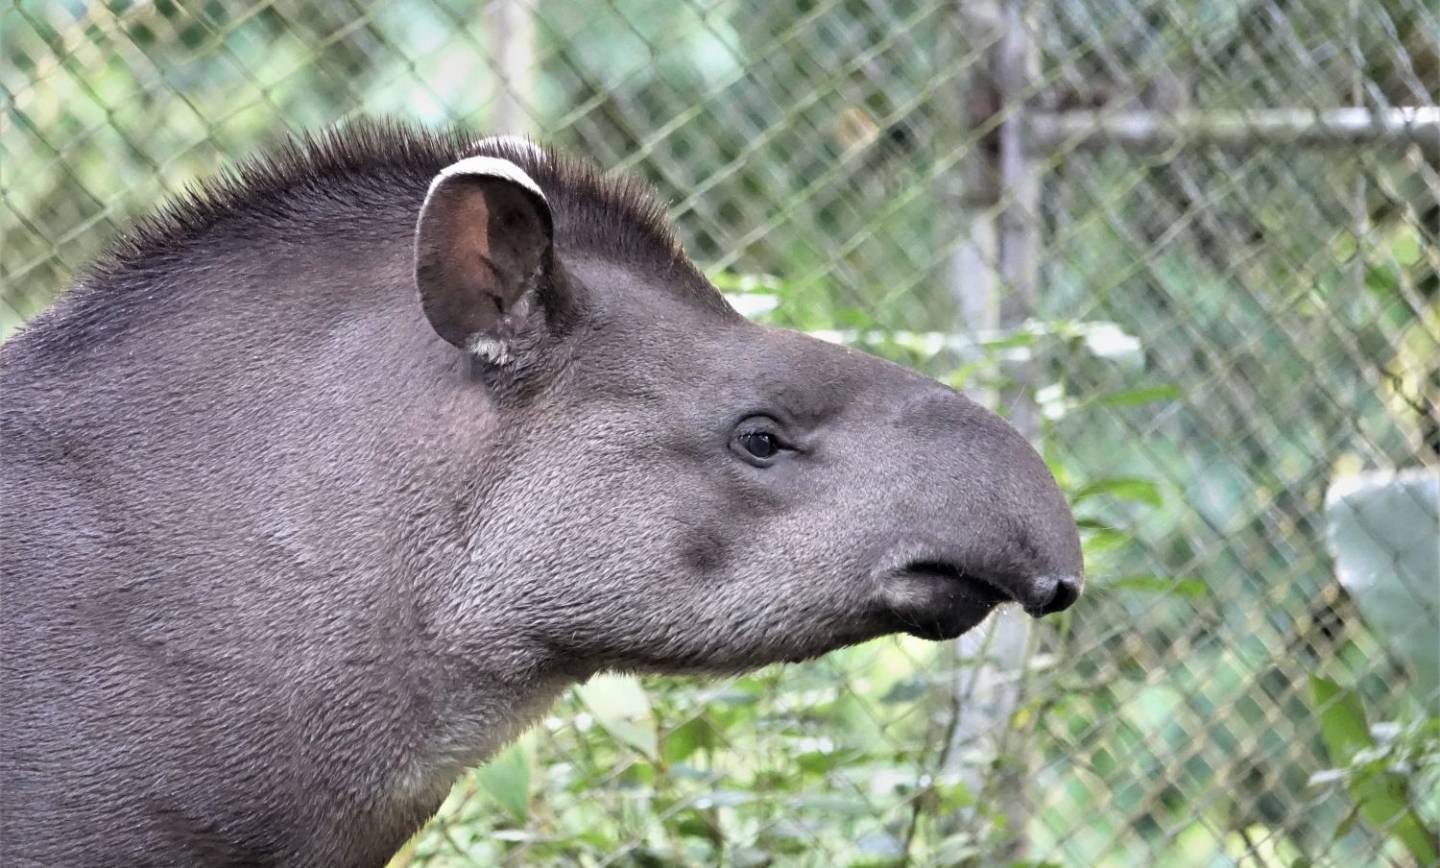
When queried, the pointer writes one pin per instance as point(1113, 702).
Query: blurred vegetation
point(1219, 337)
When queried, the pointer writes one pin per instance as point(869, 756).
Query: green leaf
point(1382, 797)
point(818, 762)
point(1384, 802)
point(730, 281)
point(1143, 395)
point(1104, 539)
point(696, 824)
point(1018, 339)
point(960, 377)
point(506, 779)
point(834, 803)
point(1191, 588)
point(1342, 720)
point(1122, 488)
point(954, 795)
point(905, 690)
point(1347, 824)
point(685, 739)
point(620, 705)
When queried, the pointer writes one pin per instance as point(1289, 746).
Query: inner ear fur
point(483, 250)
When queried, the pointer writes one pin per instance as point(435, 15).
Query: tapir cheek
point(704, 554)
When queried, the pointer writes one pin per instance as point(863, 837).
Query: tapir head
point(670, 486)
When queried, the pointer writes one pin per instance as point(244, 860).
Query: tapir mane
point(340, 178)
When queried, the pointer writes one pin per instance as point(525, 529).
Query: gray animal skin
point(326, 481)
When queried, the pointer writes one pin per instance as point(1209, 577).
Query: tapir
point(332, 474)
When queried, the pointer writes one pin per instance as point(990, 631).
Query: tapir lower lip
point(931, 595)
point(938, 601)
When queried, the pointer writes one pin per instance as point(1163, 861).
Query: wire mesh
point(1231, 358)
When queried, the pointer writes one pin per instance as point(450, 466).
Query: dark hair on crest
point(314, 178)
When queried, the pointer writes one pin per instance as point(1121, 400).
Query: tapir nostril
point(1050, 594)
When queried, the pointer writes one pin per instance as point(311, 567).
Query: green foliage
point(1379, 776)
point(506, 778)
point(623, 709)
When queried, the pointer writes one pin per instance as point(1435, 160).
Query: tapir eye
point(757, 442)
point(761, 444)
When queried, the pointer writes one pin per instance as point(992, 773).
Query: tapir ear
point(482, 253)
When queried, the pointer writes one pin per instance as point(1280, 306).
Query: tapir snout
point(995, 528)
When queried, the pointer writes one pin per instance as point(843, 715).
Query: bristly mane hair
point(316, 178)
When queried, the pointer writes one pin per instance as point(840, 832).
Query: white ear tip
point(518, 144)
point(489, 167)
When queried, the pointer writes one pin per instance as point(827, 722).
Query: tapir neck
point(284, 476)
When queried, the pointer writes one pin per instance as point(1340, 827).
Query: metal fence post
point(512, 47)
point(993, 275)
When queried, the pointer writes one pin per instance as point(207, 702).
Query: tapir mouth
point(1038, 596)
point(939, 599)
point(980, 590)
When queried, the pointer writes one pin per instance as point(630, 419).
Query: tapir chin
point(327, 479)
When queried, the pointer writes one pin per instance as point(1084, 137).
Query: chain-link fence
point(1191, 246)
